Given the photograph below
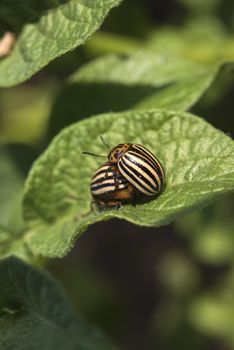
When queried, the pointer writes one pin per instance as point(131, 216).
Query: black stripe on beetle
point(105, 181)
point(132, 173)
point(143, 164)
point(110, 189)
point(140, 167)
point(133, 177)
point(155, 161)
point(140, 170)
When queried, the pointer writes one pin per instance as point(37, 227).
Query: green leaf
point(46, 31)
point(10, 192)
point(202, 39)
point(35, 314)
point(12, 226)
point(198, 161)
point(14, 244)
point(142, 80)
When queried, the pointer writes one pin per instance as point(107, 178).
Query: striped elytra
point(110, 188)
point(139, 167)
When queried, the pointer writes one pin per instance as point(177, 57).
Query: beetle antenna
point(104, 142)
point(93, 154)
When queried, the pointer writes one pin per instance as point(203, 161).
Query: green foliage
point(198, 161)
point(12, 243)
point(45, 32)
point(138, 81)
point(138, 91)
point(35, 313)
point(143, 80)
point(10, 192)
point(190, 41)
point(12, 227)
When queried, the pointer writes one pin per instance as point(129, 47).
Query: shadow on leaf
point(78, 101)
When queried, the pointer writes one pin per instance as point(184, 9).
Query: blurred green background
point(148, 288)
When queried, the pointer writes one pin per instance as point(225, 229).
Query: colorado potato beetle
point(132, 172)
point(109, 188)
point(139, 166)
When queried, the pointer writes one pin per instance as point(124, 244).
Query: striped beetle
point(132, 171)
point(110, 188)
point(139, 166)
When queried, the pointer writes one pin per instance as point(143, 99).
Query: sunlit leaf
point(45, 31)
point(198, 161)
point(143, 80)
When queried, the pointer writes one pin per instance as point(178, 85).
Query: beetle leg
point(118, 205)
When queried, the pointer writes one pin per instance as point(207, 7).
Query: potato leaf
point(145, 79)
point(198, 161)
point(45, 31)
point(35, 313)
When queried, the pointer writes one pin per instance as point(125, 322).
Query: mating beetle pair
point(131, 172)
